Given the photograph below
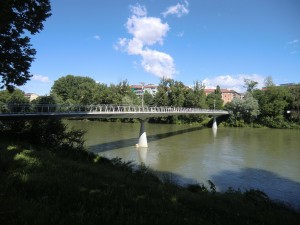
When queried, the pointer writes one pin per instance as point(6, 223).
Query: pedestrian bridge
point(30, 111)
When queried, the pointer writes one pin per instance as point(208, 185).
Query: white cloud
point(179, 10)
point(40, 78)
point(138, 10)
point(233, 82)
point(158, 63)
point(147, 31)
point(293, 42)
point(97, 37)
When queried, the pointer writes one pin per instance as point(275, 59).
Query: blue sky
point(217, 42)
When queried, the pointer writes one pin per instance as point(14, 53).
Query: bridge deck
point(99, 111)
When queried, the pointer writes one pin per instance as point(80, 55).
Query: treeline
point(83, 90)
point(274, 106)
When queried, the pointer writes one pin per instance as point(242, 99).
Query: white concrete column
point(143, 137)
point(215, 126)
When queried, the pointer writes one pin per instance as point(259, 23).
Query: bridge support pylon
point(215, 126)
point(143, 137)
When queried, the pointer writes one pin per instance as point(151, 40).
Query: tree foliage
point(250, 85)
point(273, 102)
point(195, 97)
point(162, 96)
point(214, 100)
point(74, 89)
point(148, 99)
point(294, 106)
point(243, 110)
point(84, 90)
point(177, 93)
point(16, 97)
point(16, 52)
point(268, 82)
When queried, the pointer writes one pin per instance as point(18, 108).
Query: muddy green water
point(266, 159)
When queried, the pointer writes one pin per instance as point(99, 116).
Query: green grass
point(39, 186)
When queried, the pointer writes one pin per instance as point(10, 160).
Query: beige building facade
point(227, 95)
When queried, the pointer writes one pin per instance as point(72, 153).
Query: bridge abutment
point(143, 137)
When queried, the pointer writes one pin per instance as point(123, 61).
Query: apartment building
point(139, 89)
point(31, 96)
point(227, 95)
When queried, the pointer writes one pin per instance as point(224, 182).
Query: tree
point(75, 89)
point(161, 96)
point(176, 94)
point(214, 100)
point(44, 103)
point(243, 110)
point(101, 94)
point(268, 82)
point(295, 103)
point(250, 85)
point(121, 94)
point(13, 102)
point(17, 97)
point(195, 97)
point(273, 104)
point(16, 52)
point(148, 99)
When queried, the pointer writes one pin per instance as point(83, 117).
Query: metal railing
point(105, 109)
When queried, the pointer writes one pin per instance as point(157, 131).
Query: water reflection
point(142, 154)
point(214, 130)
point(123, 143)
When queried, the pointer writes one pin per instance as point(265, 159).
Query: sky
point(216, 42)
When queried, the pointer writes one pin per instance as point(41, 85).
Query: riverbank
point(40, 186)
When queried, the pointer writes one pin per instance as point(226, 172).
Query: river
point(241, 158)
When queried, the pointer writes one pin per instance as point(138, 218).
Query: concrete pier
point(215, 126)
point(143, 137)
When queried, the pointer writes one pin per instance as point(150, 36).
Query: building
point(227, 95)
point(150, 88)
point(288, 85)
point(31, 96)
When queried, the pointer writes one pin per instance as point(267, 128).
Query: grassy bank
point(39, 186)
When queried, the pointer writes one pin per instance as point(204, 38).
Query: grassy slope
point(45, 187)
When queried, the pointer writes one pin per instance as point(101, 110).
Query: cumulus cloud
point(138, 10)
point(146, 32)
point(158, 63)
point(178, 10)
point(40, 78)
point(233, 82)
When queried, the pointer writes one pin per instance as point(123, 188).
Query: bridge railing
point(96, 108)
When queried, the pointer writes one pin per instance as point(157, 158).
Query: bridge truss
point(99, 111)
